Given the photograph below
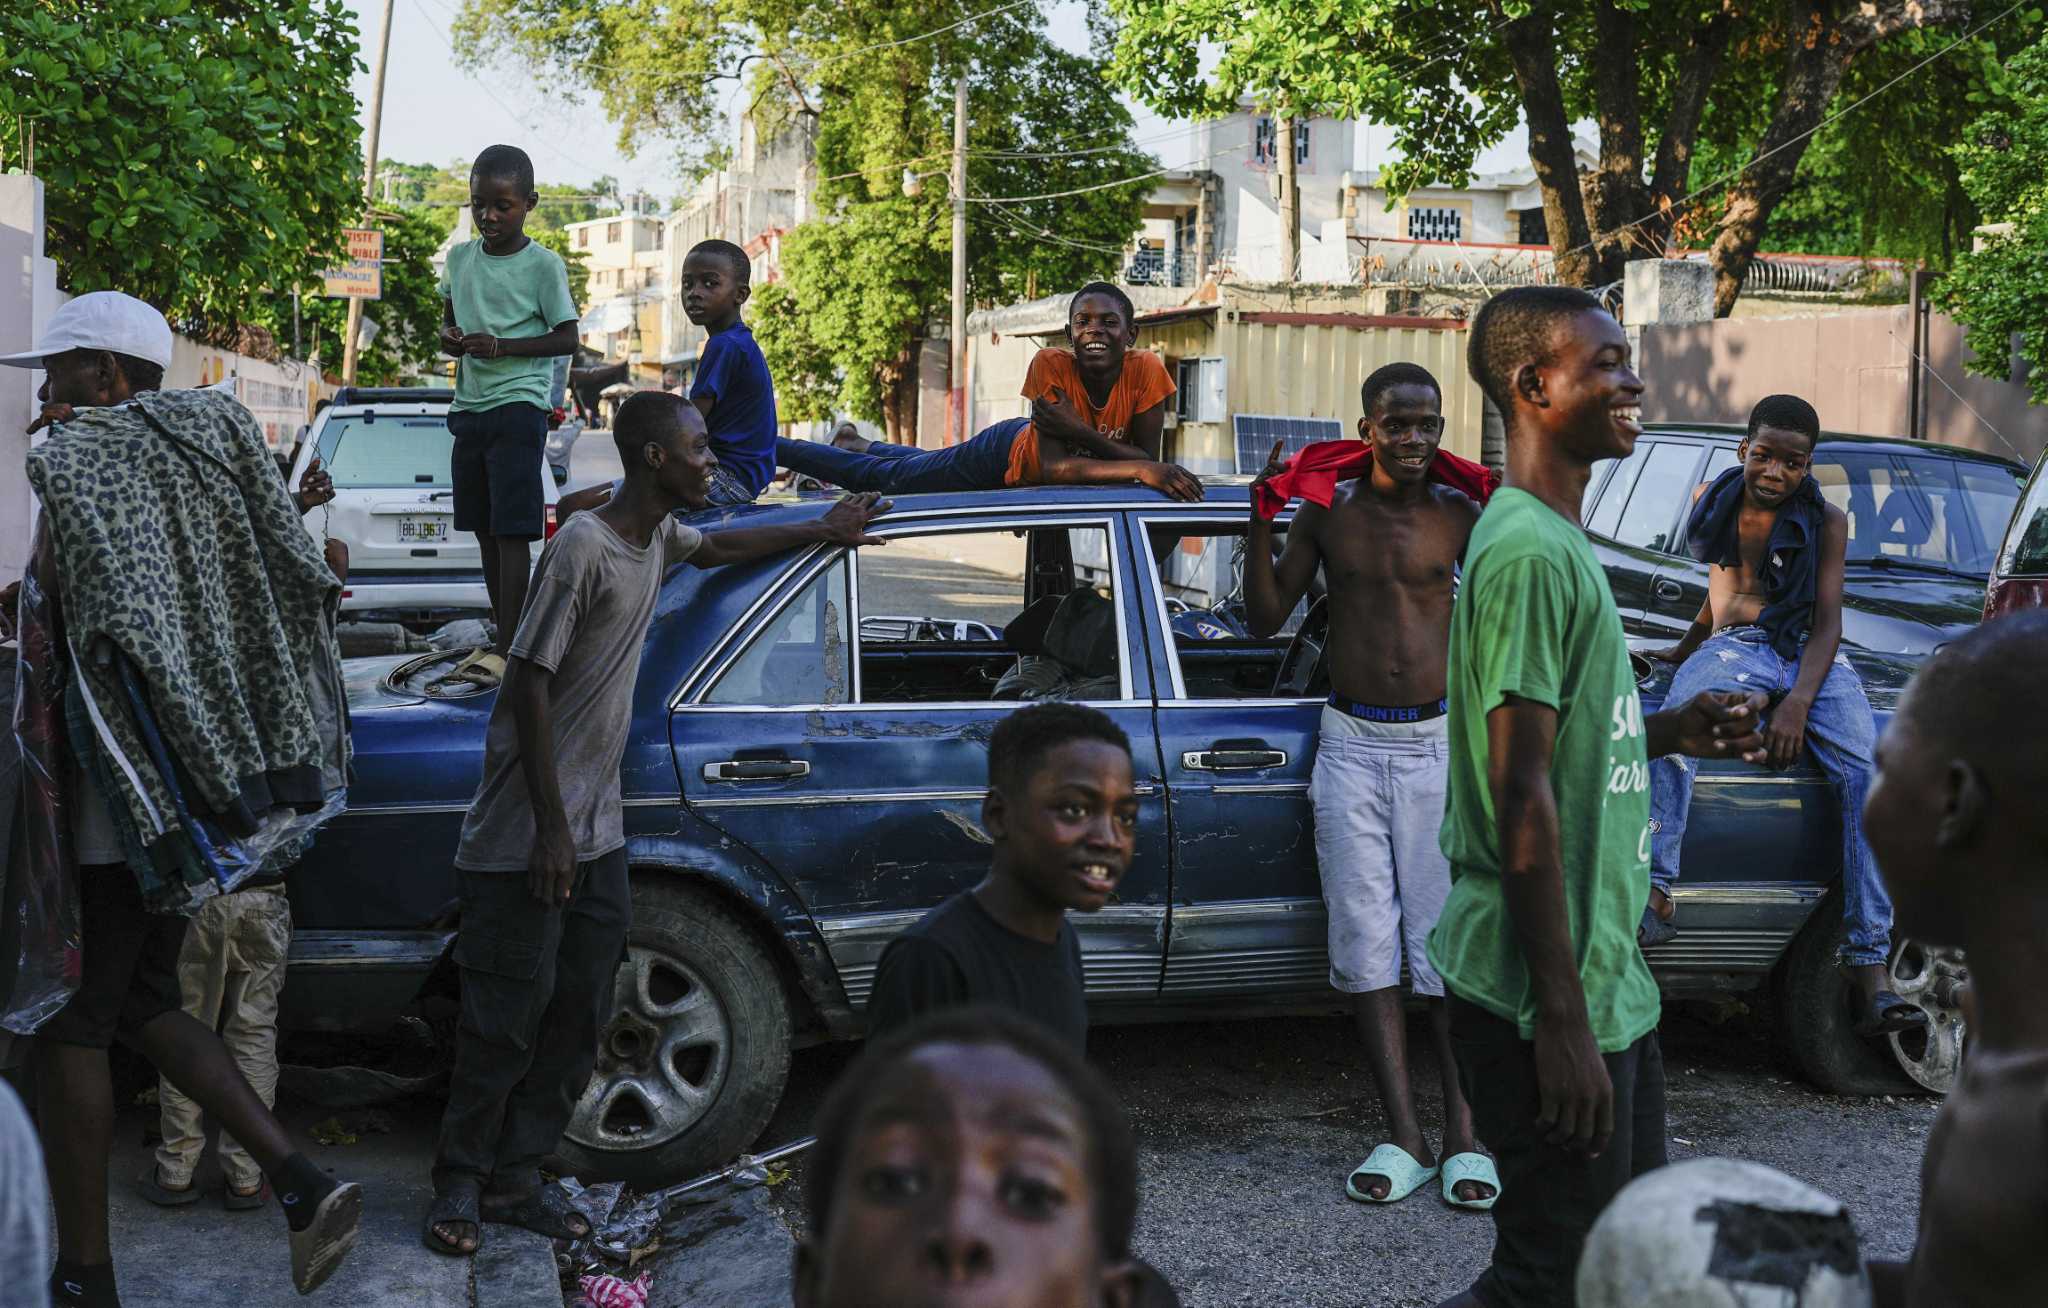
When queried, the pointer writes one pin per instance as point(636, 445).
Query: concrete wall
point(1855, 365)
point(28, 296)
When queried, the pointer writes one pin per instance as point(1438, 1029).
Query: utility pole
point(355, 303)
point(956, 407)
point(1290, 200)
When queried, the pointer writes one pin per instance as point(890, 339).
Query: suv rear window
point(2026, 544)
point(362, 452)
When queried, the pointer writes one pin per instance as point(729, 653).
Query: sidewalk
point(202, 1255)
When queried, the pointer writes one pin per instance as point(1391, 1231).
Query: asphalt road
point(1247, 1130)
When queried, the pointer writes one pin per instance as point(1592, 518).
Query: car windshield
point(2026, 545)
point(362, 451)
point(1918, 513)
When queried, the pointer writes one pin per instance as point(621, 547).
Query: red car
point(2019, 576)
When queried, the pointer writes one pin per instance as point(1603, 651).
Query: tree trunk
point(1675, 144)
point(898, 376)
point(1532, 49)
point(1614, 191)
point(1290, 199)
point(1818, 50)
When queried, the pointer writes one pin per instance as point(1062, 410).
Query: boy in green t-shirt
point(1553, 1012)
point(506, 315)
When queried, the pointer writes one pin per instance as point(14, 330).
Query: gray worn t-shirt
point(585, 621)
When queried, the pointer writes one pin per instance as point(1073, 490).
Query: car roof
point(1732, 433)
point(353, 395)
point(1227, 493)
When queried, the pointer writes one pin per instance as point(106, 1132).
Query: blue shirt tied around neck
point(1791, 557)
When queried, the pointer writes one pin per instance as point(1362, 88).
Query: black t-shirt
point(957, 954)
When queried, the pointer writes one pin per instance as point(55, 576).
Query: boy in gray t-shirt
point(542, 861)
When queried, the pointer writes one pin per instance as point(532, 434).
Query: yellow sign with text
point(362, 277)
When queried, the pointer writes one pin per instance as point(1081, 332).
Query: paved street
point(1247, 1130)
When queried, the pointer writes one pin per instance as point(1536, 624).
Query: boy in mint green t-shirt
point(1553, 1011)
point(507, 316)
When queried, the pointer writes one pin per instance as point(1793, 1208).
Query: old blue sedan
point(802, 783)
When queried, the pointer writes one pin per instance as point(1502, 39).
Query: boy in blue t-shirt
point(732, 388)
point(507, 315)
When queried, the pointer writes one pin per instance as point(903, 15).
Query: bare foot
point(1469, 1191)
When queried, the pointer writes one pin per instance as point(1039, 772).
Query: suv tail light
point(550, 523)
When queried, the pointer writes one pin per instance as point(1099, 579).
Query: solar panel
point(1256, 433)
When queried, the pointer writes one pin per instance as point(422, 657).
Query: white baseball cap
point(101, 320)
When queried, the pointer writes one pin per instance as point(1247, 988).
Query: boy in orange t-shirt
point(1097, 415)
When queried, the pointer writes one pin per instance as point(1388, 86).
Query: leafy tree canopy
point(408, 317)
point(194, 156)
point(2000, 294)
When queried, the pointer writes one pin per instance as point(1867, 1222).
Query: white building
point(626, 256)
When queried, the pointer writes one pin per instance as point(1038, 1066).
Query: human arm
point(1169, 479)
point(1272, 590)
point(1054, 415)
point(1575, 1096)
point(1712, 724)
point(315, 488)
point(1785, 734)
point(451, 335)
point(845, 523)
point(551, 872)
point(562, 340)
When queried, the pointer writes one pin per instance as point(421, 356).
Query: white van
point(388, 451)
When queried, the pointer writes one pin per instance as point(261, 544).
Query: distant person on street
point(506, 315)
point(971, 1157)
point(1098, 414)
point(1955, 815)
point(1553, 1011)
point(1062, 814)
point(1772, 621)
point(1388, 538)
point(99, 351)
point(731, 388)
point(542, 860)
point(231, 973)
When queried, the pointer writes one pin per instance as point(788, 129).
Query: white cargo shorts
point(1378, 792)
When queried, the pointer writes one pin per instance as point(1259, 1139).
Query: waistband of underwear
point(1380, 713)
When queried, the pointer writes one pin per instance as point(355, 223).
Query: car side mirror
point(561, 475)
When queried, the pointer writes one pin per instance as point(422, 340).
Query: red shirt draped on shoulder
point(1142, 384)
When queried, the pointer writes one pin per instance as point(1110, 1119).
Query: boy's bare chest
point(1984, 1200)
point(1366, 544)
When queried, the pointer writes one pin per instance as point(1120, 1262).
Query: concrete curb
point(514, 1268)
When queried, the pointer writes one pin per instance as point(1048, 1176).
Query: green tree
point(408, 317)
point(576, 261)
point(195, 157)
point(1452, 79)
point(2000, 293)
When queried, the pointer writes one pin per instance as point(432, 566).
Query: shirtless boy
point(1098, 413)
point(1773, 622)
point(1955, 812)
point(1387, 543)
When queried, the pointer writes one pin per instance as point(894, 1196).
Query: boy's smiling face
point(712, 293)
point(1067, 829)
point(1101, 332)
point(967, 1181)
point(500, 207)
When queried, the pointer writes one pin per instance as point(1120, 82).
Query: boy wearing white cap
point(103, 350)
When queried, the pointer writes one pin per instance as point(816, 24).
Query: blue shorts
point(496, 468)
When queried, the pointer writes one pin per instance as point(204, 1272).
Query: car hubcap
point(1933, 979)
point(661, 1059)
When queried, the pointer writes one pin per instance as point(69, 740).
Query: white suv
point(388, 451)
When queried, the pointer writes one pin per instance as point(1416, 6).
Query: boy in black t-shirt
point(1062, 813)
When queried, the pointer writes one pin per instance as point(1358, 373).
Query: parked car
point(2019, 576)
point(801, 784)
point(1924, 525)
point(388, 451)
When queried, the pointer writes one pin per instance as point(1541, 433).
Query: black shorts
point(130, 965)
point(496, 470)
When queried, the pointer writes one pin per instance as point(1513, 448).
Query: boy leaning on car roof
point(506, 314)
point(537, 952)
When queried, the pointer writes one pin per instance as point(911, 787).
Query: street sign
point(362, 277)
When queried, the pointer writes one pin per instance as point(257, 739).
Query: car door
point(1248, 913)
point(855, 763)
point(1635, 526)
point(1679, 588)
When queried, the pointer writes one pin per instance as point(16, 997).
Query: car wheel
point(1932, 978)
point(693, 1061)
point(1815, 1018)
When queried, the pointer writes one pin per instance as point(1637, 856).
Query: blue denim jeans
point(1840, 734)
point(977, 464)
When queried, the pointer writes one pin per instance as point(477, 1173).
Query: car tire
point(693, 1060)
point(1814, 1017)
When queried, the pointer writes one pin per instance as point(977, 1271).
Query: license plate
point(423, 529)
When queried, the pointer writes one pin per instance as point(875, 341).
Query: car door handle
point(757, 769)
point(1665, 589)
point(1233, 760)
